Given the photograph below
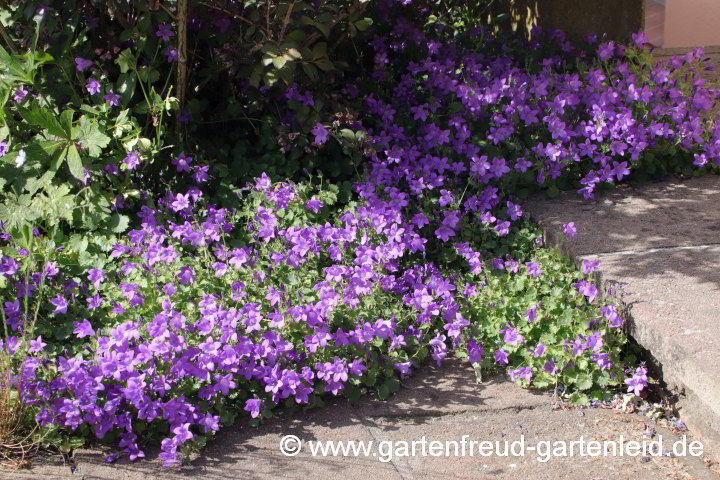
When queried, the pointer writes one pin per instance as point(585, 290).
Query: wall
point(655, 21)
point(667, 23)
point(692, 23)
point(616, 18)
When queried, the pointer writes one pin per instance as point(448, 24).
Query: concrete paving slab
point(461, 408)
point(452, 390)
point(674, 300)
point(532, 437)
point(653, 215)
point(662, 242)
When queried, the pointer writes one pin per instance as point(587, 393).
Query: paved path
point(662, 242)
point(441, 405)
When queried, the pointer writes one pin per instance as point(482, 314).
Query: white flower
point(20, 159)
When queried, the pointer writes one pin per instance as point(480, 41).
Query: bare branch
point(286, 21)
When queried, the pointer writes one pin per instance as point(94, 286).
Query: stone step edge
point(698, 414)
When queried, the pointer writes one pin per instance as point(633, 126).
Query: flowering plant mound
point(205, 311)
point(203, 314)
point(455, 112)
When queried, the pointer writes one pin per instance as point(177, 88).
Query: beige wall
point(689, 23)
point(667, 23)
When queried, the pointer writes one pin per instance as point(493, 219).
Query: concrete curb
point(698, 395)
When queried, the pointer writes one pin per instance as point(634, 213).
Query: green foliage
point(258, 86)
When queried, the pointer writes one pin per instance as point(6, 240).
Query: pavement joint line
point(376, 438)
point(436, 414)
point(709, 246)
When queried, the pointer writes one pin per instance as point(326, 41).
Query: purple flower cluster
point(279, 313)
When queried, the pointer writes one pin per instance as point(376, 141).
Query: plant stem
point(8, 40)
point(37, 303)
point(182, 14)
point(27, 274)
point(4, 319)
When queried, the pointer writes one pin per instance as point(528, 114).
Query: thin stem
point(158, 130)
point(168, 11)
point(267, 21)
point(463, 194)
point(8, 40)
point(286, 21)
point(27, 274)
point(227, 12)
point(142, 87)
point(37, 303)
point(4, 319)
point(182, 15)
point(157, 50)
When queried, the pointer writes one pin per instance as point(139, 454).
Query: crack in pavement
point(709, 246)
point(376, 438)
point(441, 414)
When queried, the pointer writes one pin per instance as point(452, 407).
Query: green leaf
point(126, 61)
point(43, 118)
point(325, 29)
point(543, 380)
point(89, 109)
point(15, 211)
point(383, 392)
point(584, 381)
point(44, 149)
point(363, 24)
point(148, 75)
point(54, 204)
point(297, 36)
point(125, 86)
point(118, 223)
point(77, 243)
point(41, 58)
point(279, 62)
point(13, 69)
point(75, 162)
point(347, 134)
point(393, 384)
point(324, 64)
point(310, 71)
point(319, 50)
point(35, 184)
point(91, 138)
point(602, 378)
point(370, 378)
point(255, 76)
point(66, 119)
point(600, 395)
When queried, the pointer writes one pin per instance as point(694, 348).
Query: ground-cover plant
point(270, 301)
point(206, 313)
point(585, 118)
